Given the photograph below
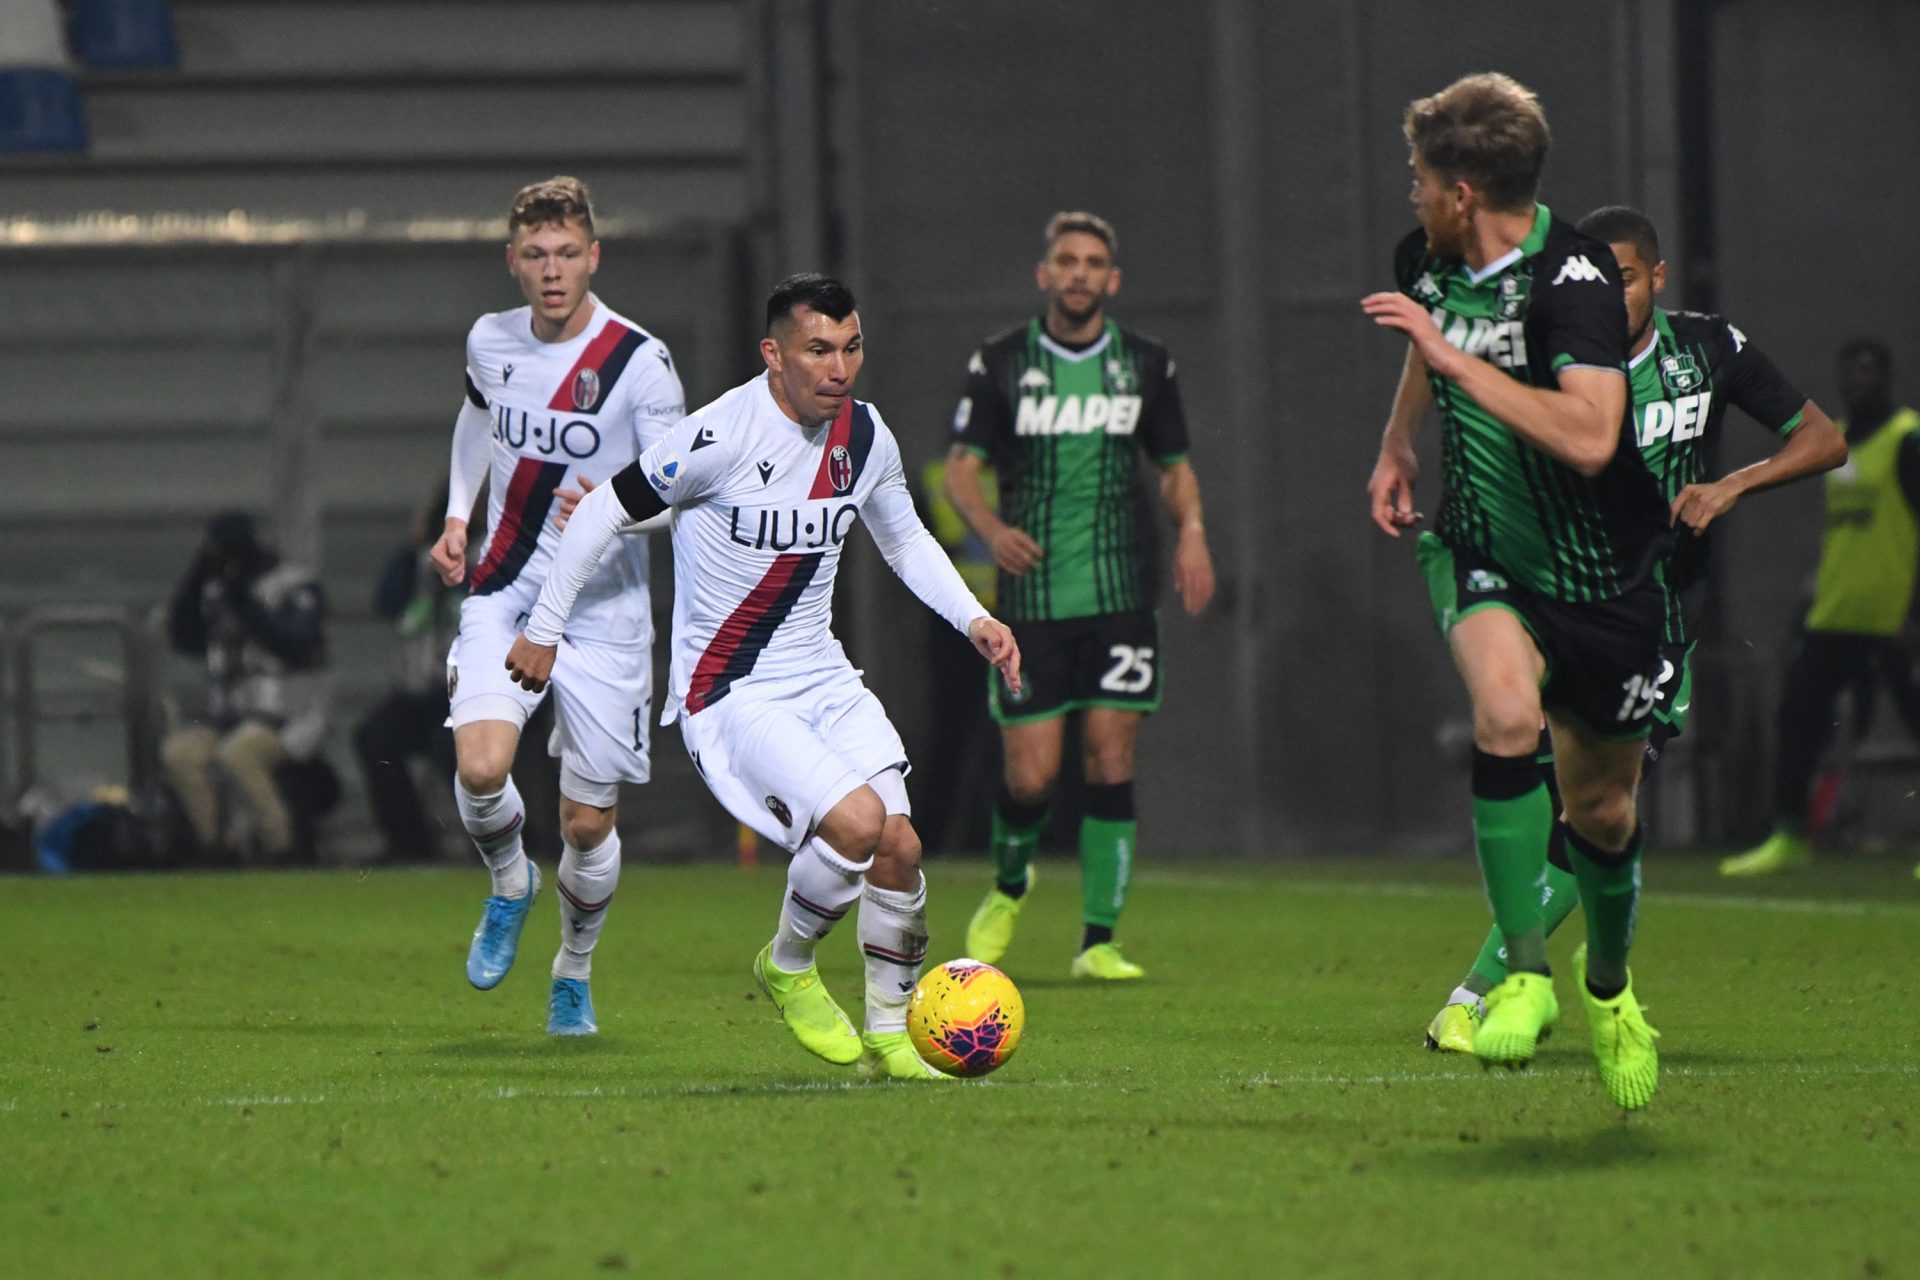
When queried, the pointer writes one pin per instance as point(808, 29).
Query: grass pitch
point(288, 1075)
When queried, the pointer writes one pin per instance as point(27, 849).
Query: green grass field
point(287, 1075)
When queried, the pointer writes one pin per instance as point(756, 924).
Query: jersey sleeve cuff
point(1562, 363)
point(1171, 459)
point(1792, 424)
point(976, 451)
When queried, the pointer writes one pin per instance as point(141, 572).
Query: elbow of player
point(1591, 457)
point(1836, 454)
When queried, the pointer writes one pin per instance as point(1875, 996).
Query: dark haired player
point(764, 485)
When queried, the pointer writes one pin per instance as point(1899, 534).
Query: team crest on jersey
point(1035, 378)
point(586, 389)
point(778, 808)
point(1121, 378)
point(1425, 288)
point(1480, 580)
point(1680, 373)
point(1511, 303)
point(840, 469)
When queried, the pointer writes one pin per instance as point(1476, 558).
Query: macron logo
point(1579, 269)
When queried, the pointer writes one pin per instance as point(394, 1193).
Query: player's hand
point(531, 664)
point(1699, 505)
point(449, 553)
point(1390, 488)
point(1013, 550)
point(994, 639)
point(569, 499)
point(1193, 569)
point(1398, 311)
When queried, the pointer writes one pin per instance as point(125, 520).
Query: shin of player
point(560, 394)
point(764, 484)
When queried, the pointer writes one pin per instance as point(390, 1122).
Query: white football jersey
point(763, 507)
point(563, 411)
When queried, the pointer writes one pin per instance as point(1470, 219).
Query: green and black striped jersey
point(1552, 304)
point(1696, 366)
point(1063, 429)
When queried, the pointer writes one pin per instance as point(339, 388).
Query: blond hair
point(1068, 221)
point(1486, 130)
point(556, 201)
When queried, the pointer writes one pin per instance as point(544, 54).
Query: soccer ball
point(966, 1017)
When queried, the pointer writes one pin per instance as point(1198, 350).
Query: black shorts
point(1604, 659)
point(1108, 660)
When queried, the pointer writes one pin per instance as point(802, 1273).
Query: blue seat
point(123, 35)
point(40, 110)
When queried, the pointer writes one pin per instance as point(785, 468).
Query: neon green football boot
point(810, 1012)
point(1103, 962)
point(890, 1055)
point(1780, 851)
point(990, 932)
point(1520, 1013)
point(1451, 1030)
point(1622, 1041)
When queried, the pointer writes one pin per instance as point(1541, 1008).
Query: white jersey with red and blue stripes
point(762, 510)
point(562, 412)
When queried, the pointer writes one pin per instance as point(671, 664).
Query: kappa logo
point(962, 414)
point(1033, 378)
point(705, 438)
point(977, 365)
point(586, 390)
point(1579, 270)
point(778, 808)
point(840, 469)
point(506, 373)
point(1480, 580)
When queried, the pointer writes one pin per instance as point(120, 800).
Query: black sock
point(1094, 934)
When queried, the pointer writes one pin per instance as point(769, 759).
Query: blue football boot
point(570, 1009)
point(497, 939)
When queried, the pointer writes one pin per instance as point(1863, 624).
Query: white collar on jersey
point(1653, 343)
point(1068, 353)
point(1493, 268)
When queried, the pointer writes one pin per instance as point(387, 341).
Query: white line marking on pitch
point(1266, 1081)
point(1392, 889)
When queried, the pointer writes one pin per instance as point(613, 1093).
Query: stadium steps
point(412, 109)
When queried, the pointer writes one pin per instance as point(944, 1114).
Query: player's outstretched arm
point(1816, 445)
point(994, 639)
point(1390, 488)
point(599, 518)
point(1577, 424)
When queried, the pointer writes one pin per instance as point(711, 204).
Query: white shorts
point(601, 696)
point(779, 757)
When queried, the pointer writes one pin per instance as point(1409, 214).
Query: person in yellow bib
point(1869, 559)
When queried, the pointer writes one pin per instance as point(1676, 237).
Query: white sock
point(586, 883)
point(893, 938)
point(1463, 996)
point(821, 885)
point(494, 822)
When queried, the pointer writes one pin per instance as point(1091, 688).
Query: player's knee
point(483, 773)
point(853, 828)
point(897, 860)
point(1030, 783)
point(585, 827)
point(1109, 764)
point(1604, 818)
point(1507, 722)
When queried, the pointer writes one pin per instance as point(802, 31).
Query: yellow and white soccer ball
point(966, 1018)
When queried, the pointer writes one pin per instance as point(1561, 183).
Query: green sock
point(1016, 834)
point(1610, 888)
point(1512, 821)
point(1490, 966)
point(1108, 836)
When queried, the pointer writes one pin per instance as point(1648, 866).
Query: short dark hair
point(810, 289)
point(1486, 130)
point(1617, 224)
point(554, 202)
point(1068, 221)
point(1854, 348)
